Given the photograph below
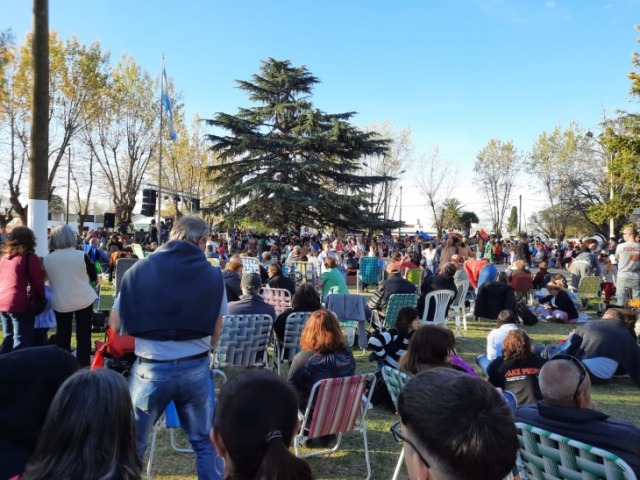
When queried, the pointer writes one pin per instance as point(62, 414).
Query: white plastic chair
point(442, 299)
point(459, 311)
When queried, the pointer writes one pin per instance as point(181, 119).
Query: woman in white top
point(69, 272)
point(429, 255)
point(506, 321)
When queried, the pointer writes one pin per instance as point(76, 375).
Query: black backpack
point(525, 315)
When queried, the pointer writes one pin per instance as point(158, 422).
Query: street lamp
point(609, 161)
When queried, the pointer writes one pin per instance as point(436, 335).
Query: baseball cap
point(251, 283)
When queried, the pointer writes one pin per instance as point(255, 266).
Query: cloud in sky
point(550, 4)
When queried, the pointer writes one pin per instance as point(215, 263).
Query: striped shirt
point(389, 346)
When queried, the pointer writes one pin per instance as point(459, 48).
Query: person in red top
point(15, 276)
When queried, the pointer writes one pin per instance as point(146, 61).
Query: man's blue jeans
point(18, 331)
point(188, 384)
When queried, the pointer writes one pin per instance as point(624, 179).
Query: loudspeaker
point(148, 210)
point(195, 204)
point(149, 196)
point(109, 220)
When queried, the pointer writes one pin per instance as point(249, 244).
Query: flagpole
point(160, 158)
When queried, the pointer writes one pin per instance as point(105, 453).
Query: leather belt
point(183, 359)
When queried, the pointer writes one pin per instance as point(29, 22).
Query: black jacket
point(394, 284)
point(432, 283)
point(492, 298)
point(563, 302)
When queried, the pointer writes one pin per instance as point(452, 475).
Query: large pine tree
point(288, 164)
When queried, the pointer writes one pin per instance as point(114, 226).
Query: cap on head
point(251, 283)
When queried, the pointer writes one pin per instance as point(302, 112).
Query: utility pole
point(39, 162)
point(520, 216)
point(399, 228)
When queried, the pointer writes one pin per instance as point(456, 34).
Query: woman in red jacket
point(19, 267)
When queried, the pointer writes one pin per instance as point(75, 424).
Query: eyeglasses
point(398, 437)
point(581, 367)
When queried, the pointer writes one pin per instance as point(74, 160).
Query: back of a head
point(449, 269)
point(306, 299)
point(558, 380)
point(429, 347)
point(404, 319)
point(322, 333)
point(189, 228)
point(461, 424)
point(257, 439)
point(76, 442)
point(505, 317)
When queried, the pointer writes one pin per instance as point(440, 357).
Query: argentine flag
point(167, 105)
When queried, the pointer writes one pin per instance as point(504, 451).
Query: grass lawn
point(619, 399)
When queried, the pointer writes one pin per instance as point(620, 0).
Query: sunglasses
point(398, 437)
point(579, 364)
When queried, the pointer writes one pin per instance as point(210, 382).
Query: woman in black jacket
point(493, 297)
point(558, 306)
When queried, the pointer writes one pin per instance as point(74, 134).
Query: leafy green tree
point(289, 164)
point(512, 224)
point(452, 210)
point(467, 218)
point(621, 141)
point(496, 168)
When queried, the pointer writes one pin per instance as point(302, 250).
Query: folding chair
point(337, 406)
point(396, 302)
point(305, 272)
point(137, 250)
point(243, 341)
point(459, 312)
point(549, 455)
point(522, 283)
point(280, 298)
point(171, 422)
point(368, 271)
point(122, 265)
point(250, 265)
point(292, 331)
point(214, 262)
point(589, 289)
point(395, 380)
point(441, 299)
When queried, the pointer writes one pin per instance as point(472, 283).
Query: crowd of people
point(453, 423)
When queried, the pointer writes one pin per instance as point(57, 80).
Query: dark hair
point(276, 268)
point(258, 439)
point(449, 269)
point(429, 347)
point(89, 431)
point(406, 316)
point(516, 345)
point(505, 317)
point(462, 422)
point(306, 299)
point(21, 240)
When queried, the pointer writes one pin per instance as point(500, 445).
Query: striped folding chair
point(291, 345)
point(280, 298)
point(395, 380)
point(243, 341)
point(396, 302)
point(337, 406)
point(549, 455)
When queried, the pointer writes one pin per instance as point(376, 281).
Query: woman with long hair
point(325, 354)
point(431, 346)
point(69, 272)
point(518, 368)
point(19, 268)
point(89, 431)
point(254, 442)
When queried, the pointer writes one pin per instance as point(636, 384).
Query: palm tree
point(452, 211)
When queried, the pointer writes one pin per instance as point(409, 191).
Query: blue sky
point(458, 73)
